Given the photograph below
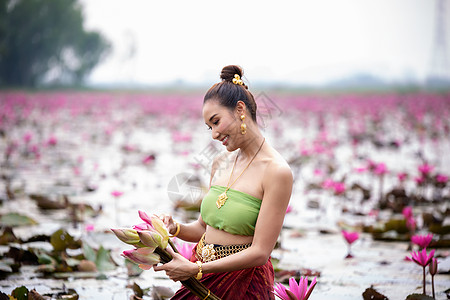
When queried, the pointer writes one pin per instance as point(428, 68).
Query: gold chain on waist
point(208, 252)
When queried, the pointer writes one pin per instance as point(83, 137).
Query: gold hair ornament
point(237, 80)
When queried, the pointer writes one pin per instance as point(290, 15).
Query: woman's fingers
point(170, 250)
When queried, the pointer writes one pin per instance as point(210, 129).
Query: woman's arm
point(277, 186)
point(191, 232)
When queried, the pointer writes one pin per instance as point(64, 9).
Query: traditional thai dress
point(237, 216)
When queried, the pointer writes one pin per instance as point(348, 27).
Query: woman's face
point(223, 123)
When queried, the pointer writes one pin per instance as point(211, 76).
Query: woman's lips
point(225, 140)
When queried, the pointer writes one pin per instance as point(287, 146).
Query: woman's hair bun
point(228, 72)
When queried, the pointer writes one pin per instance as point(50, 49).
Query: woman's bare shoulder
point(278, 168)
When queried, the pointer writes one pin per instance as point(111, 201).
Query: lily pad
point(62, 240)
point(418, 297)
point(137, 290)
point(103, 260)
point(20, 293)
point(372, 294)
point(8, 237)
point(15, 219)
point(45, 259)
point(440, 229)
point(102, 257)
point(89, 252)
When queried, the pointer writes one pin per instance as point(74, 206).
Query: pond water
point(156, 150)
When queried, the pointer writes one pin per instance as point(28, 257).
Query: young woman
point(243, 212)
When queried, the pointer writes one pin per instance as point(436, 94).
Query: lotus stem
point(192, 284)
point(424, 280)
point(173, 246)
point(432, 285)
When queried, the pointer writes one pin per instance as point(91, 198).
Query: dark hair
point(229, 93)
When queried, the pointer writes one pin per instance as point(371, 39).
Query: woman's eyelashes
point(214, 123)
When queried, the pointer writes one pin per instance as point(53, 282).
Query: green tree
point(42, 39)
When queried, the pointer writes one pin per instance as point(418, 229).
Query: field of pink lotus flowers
point(369, 214)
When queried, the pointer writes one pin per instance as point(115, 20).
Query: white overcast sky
point(280, 41)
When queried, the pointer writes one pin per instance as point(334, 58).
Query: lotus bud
point(129, 236)
point(144, 217)
point(159, 225)
point(143, 256)
point(433, 266)
point(142, 226)
point(151, 238)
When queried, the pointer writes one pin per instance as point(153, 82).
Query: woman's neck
point(251, 144)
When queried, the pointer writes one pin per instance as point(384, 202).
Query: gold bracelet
point(199, 274)
point(178, 230)
point(209, 293)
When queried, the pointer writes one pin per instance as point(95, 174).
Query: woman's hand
point(170, 223)
point(179, 268)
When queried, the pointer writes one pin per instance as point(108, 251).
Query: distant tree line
point(45, 41)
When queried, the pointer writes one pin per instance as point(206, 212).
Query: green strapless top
point(237, 216)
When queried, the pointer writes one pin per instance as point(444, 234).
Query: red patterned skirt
point(251, 283)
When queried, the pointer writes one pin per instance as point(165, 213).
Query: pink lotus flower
point(421, 257)
point(129, 148)
point(339, 188)
point(27, 137)
point(296, 291)
point(402, 176)
point(318, 172)
point(76, 171)
point(350, 237)
point(52, 141)
point(328, 183)
point(419, 180)
point(89, 227)
point(425, 169)
point(116, 194)
point(361, 169)
point(374, 212)
point(411, 224)
point(407, 212)
point(422, 240)
point(380, 169)
point(148, 159)
point(441, 178)
point(185, 249)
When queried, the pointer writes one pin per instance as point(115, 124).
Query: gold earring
point(243, 125)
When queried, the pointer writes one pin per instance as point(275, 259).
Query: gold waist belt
point(209, 252)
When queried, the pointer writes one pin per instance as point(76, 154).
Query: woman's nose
point(215, 135)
